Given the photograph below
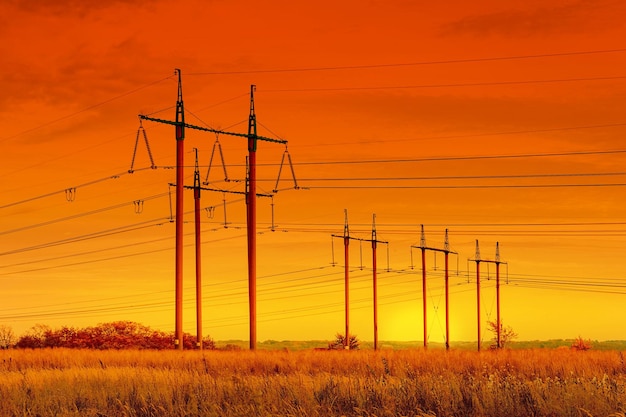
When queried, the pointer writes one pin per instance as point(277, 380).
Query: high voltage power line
point(418, 63)
point(325, 228)
point(446, 187)
point(263, 292)
point(283, 314)
point(287, 288)
point(143, 295)
point(280, 287)
point(362, 141)
point(91, 107)
point(463, 177)
point(445, 85)
point(403, 160)
point(288, 313)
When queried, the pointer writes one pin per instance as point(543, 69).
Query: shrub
point(113, 335)
point(581, 344)
point(339, 342)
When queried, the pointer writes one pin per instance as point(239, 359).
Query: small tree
point(35, 337)
point(507, 334)
point(339, 342)
point(7, 337)
point(581, 344)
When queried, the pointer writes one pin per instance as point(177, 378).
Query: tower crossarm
point(208, 129)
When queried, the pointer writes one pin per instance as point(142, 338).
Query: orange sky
point(378, 81)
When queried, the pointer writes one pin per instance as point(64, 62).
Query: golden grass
point(64, 382)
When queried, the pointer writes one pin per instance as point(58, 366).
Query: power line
point(464, 158)
point(445, 187)
point(93, 182)
point(440, 158)
point(143, 295)
point(453, 224)
point(552, 175)
point(79, 215)
point(548, 287)
point(93, 106)
point(446, 85)
point(570, 283)
point(111, 258)
point(471, 135)
point(319, 309)
point(88, 236)
point(329, 228)
point(465, 177)
point(418, 63)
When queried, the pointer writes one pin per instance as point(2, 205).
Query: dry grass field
point(63, 382)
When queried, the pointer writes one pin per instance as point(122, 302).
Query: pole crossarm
point(488, 261)
point(435, 249)
point(208, 129)
point(361, 239)
point(190, 187)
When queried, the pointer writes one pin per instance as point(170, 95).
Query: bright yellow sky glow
point(501, 121)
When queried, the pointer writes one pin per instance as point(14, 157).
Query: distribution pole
point(251, 218)
point(499, 321)
point(446, 250)
point(196, 195)
point(477, 259)
point(424, 301)
point(497, 261)
point(346, 245)
point(180, 164)
point(374, 282)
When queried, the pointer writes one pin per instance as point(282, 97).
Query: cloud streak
point(572, 18)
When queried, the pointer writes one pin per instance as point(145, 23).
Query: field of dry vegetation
point(66, 382)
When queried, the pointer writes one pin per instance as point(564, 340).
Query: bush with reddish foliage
point(113, 335)
point(581, 344)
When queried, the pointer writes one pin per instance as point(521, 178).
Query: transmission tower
point(250, 192)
